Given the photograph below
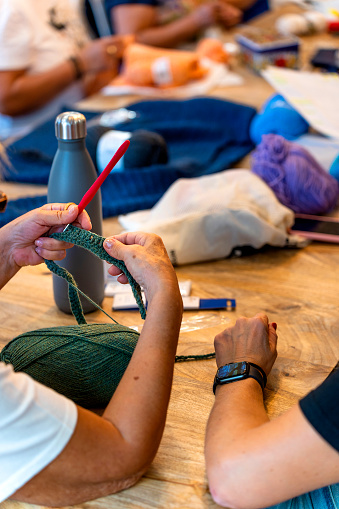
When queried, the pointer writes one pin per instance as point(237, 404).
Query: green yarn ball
point(83, 362)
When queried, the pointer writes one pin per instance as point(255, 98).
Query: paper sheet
point(314, 95)
point(218, 76)
point(330, 8)
point(324, 150)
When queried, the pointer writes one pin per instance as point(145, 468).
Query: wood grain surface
point(297, 288)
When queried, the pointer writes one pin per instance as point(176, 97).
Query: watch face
point(234, 370)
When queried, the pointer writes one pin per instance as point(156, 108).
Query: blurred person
point(168, 23)
point(47, 61)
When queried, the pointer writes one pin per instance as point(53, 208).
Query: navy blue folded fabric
point(203, 136)
point(16, 208)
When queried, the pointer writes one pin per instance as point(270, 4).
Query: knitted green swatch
point(93, 243)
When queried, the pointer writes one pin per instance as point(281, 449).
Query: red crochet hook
point(88, 196)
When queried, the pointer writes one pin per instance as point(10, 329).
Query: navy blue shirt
point(257, 8)
point(321, 408)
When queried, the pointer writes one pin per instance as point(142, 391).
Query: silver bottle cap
point(70, 125)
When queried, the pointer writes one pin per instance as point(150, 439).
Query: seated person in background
point(45, 439)
point(47, 61)
point(252, 462)
point(167, 23)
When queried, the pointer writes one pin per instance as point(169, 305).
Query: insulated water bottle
point(71, 175)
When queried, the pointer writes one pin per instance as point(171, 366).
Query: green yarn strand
point(73, 293)
point(203, 357)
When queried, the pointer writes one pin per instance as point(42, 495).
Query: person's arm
point(141, 20)
point(274, 460)
point(23, 241)
point(109, 453)
point(21, 92)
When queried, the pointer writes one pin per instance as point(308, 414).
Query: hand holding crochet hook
point(26, 239)
point(28, 235)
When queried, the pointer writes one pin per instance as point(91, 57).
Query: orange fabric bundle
point(149, 66)
point(212, 49)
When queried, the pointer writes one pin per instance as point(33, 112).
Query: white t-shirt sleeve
point(36, 423)
point(16, 35)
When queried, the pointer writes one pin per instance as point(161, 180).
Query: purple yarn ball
point(296, 178)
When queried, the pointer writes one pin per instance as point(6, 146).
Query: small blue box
point(260, 48)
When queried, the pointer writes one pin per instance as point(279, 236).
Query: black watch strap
point(261, 371)
point(254, 371)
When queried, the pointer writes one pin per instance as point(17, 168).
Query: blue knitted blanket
point(203, 135)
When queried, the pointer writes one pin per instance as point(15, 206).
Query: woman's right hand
point(250, 339)
point(146, 259)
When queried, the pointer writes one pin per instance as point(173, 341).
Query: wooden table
point(298, 289)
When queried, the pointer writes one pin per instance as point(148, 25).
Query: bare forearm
point(237, 411)
point(138, 407)
point(173, 33)
point(241, 405)
point(29, 92)
point(8, 268)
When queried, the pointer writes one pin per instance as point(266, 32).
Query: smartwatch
point(239, 371)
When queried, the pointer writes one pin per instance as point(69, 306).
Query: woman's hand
point(146, 259)
point(26, 238)
point(250, 339)
point(218, 11)
point(102, 54)
point(228, 15)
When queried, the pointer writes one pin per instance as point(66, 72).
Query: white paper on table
point(324, 150)
point(113, 288)
point(314, 95)
point(330, 8)
point(218, 76)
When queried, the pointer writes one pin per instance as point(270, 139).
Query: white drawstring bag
point(204, 218)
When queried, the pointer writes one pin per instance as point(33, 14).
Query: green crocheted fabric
point(93, 243)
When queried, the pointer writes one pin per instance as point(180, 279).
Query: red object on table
point(333, 26)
